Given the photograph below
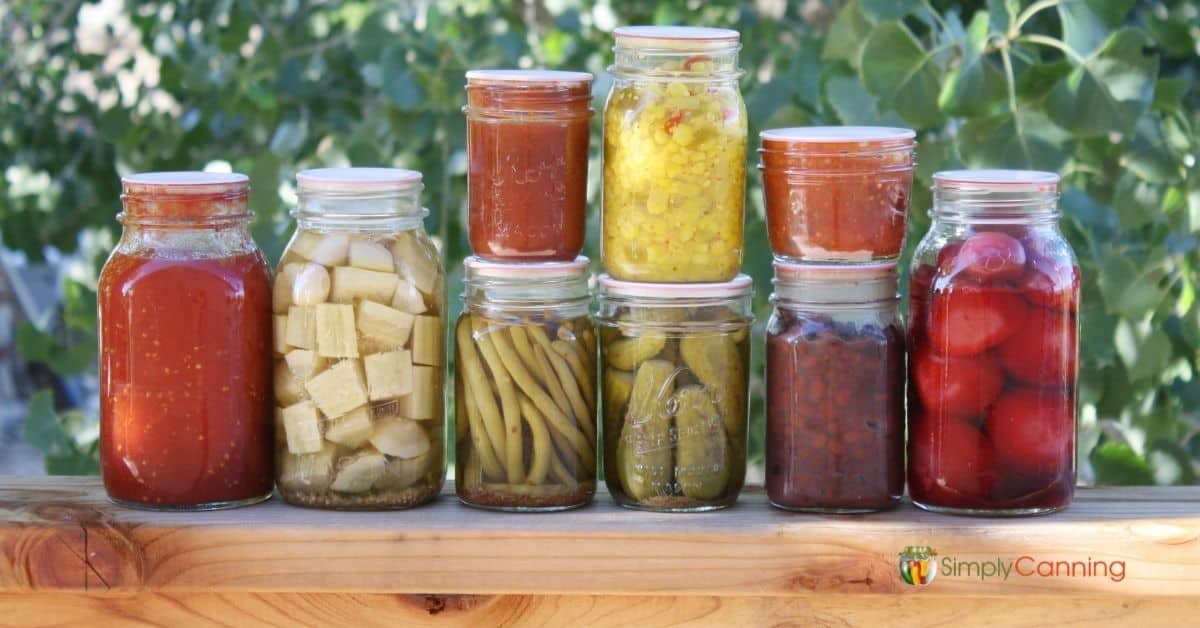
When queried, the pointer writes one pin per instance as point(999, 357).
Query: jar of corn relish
point(674, 156)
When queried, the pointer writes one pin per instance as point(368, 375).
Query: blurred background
point(1102, 91)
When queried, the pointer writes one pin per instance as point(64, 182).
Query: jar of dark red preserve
point(835, 389)
point(994, 335)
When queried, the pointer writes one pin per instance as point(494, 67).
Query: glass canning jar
point(360, 307)
point(525, 386)
point(674, 156)
point(527, 155)
point(674, 393)
point(994, 339)
point(185, 337)
point(835, 388)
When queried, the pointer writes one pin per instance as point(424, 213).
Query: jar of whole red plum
point(527, 150)
point(994, 293)
point(837, 193)
point(835, 389)
point(185, 348)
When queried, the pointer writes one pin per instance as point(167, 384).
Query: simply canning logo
point(920, 564)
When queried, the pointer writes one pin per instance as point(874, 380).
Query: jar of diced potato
point(674, 392)
point(674, 156)
point(525, 387)
point(360, 311)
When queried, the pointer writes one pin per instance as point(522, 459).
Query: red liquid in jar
point(185, 376)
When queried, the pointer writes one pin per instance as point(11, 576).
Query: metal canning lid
point(481, 268)
point(838, 134)
point(996, 180)
point(185, 183)
point(357, 180)
point(739, 286)
point(836, 283)
point(675, 37)
point(538, 77)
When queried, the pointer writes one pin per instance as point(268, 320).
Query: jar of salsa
point(527, 154)
point(360, 306)
point(675, 392)
point(674, 156)
point(185, 336)
point(526, 387)
point(835, 389)
point(837, 194)
point(994, 335)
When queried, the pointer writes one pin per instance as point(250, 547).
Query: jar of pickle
point(360, 307)
point(674, 391)
point(527, 155)
point(184, 305)
point(835, 389)
point(674, 156)
point(993, 333)
point(525, 387)
point(837, 194)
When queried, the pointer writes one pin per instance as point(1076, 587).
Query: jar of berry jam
point(835, 389)
point(993, 329)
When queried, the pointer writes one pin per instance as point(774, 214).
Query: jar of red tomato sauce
point(185, 348)
point(527, 153)
point(993, 328)
point(837, 193)
point(835, 389)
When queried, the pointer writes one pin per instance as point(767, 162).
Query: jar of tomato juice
point(185, 348)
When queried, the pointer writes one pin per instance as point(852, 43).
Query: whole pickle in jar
point(628, 353)
point(618, 386)
point(716, 361)
point(702, 461)
point(644, 450)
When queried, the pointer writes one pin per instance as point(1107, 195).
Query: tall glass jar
point(185, 335)
point(360, 313)
point(675, 361)
point(674, 156)
point(526, 387)
point(835, 389)
point(994, 293)
point(527, 155)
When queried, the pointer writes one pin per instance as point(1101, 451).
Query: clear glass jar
point(184, 305)
point(526, 387)
point(837, 194)
point(835, 389)
point(994, 342)
point(674, 156)
point(360, 319)
point(527, 155)
point(675, 360)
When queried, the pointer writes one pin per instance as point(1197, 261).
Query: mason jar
point(674, 156)
point(994, 335)
point(675, 361)
point(525, 387)
point(527, 159)
point(185, 335)
point(835, 389)
point(360, 312)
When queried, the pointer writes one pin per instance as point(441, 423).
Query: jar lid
point(357, 180)
point(481, 268)
point(836, 283)
point(997, 180)
point(739, 286)
point(838, 138)
point(675, 37)
point(185, 183)
point(538, 77)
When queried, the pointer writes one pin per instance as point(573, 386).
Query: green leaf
point(1087, 23)
point(74, 463)
point(852, 104)
point(1144, 348)
point(1137, 202)
point(1109, 90)
point(1128, 291)
point(1169, 93)
point(1171, 463)
point(1118, 464)
point(399, 83)
point(998, 142)
point(889, 9)
point(844, 41)
point(901, 75)
point(976, 86)
point(34, 345)
point(42, 428)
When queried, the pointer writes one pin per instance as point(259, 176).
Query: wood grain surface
point(62, 535)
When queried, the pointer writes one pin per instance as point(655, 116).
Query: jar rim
point(825, 135)
point(357, 179)
point(1004, 180)
point(739, 286)
point(785, 270)
point(676, 38)
point(482, 268)
point(538, 77)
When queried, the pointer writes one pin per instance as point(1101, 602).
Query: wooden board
point(61, 535)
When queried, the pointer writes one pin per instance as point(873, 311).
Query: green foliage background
point(1102, 91)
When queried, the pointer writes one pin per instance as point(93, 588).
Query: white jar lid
point(352, 180)
point(675, 37)
point(739, 286)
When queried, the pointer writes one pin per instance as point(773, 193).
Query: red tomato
point(673, 121)
point(1044, 352)
point(918, 300)
point(991, 255)
point(1051, 285)
point(968, 319)
point(950, 462)
point(1032, 430)
point(955, 388)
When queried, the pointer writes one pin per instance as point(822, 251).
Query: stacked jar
point(674, 311)
point(525, 380)
point(836, 202)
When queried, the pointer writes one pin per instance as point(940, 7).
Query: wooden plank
point(61, 534)
point(446, 611)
